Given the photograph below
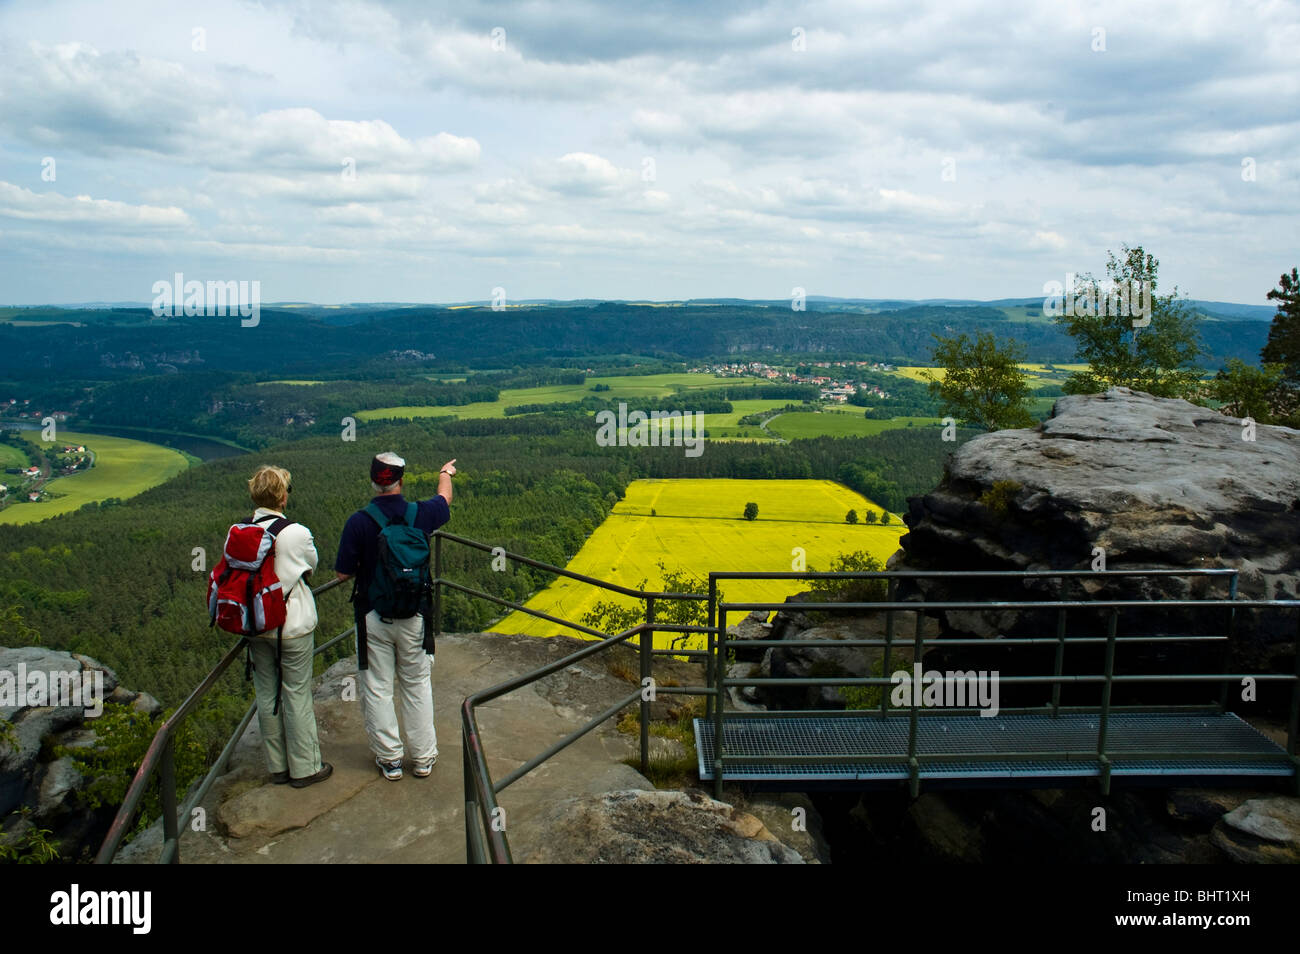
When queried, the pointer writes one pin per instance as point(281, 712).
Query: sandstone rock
point(147, 705)
point(60, 780)
point(637, 827)
point(1155, 483)
point(91, 664)
point(1205, 805)
point(792, 817)
point(752, 629)
point(1261, 831)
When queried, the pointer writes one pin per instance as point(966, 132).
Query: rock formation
point(1141, 481)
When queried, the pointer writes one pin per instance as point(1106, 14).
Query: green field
point(837, 423)
point(698, 528)
point(1038, 373)
point(11, 457)
point(626, 387)
point(123, 468)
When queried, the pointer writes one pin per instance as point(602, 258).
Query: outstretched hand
point(449, 467)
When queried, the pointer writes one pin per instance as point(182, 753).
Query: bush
point(852, 591)
point(751, 511)
point(998, 498)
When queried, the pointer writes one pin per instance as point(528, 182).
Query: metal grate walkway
point(1034, 747)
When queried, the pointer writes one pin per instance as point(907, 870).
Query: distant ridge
point(1230, 311)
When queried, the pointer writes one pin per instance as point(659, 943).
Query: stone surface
point(1261, 831)
point(661, 827)
point(357, 816)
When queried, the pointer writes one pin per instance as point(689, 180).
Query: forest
point(117, 581)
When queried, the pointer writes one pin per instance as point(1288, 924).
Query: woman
point(289, 734)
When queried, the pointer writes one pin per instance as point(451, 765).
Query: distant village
point(833, 387)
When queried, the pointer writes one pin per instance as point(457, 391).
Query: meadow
point(697, 526)
point(123, 468)
point(833, 422)
point(621, 387)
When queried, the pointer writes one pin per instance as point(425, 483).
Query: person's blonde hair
point(268, 486)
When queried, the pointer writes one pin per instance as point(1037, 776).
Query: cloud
point(19, 203)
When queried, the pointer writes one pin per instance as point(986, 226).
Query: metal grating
point(1183, 735)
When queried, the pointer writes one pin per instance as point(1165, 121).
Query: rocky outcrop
point(1261, 831)
point(39, 789)
point(659, 827)
point(1144, 482)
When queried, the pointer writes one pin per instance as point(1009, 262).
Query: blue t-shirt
point(359, 543)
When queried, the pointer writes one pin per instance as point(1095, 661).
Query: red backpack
point(244, 594)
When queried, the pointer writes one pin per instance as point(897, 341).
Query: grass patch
point(123, 468)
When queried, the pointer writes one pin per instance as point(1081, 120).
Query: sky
point(436, 152)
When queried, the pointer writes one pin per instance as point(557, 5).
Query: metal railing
point(160, 758)
point(485, 837)
point(1107, 679)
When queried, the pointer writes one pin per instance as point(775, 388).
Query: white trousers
point(399, 677)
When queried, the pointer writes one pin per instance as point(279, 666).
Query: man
point(393, 652)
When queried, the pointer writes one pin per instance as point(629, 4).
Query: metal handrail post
point(646, 650)
point(1060, 662)
point(889, 646)
point(918, 666)
point(171, 833)
point(1226, 661)
point(709, 701)
point(720, 682)
point(1112, 624)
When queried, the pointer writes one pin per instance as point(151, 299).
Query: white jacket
point(295, 554)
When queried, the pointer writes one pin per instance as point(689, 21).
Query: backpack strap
point(372, 511)
point(412, 510)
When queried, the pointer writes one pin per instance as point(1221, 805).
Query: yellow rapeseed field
point(698, 526)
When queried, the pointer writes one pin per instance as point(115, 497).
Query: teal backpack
point(400, 585)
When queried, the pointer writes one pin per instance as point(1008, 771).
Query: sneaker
point(392, 770)
point(422, 770)
point(280, 778)
point(326, 770)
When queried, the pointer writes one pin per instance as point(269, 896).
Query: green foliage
point(869, 697)
point(32, 847)
point(871, 516)
point(751, 511)
point(851, 591)
point(998, 498)
point(122, 736)
point(1157, 358)
point(1283, 345)
point(1257, 393)
point(612, 617)
point(851, 517)
point(885, 518)
point(983, 384)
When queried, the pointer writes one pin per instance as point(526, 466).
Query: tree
point(1156, 355)
point(982, 383)
point(1283, 349)
point(851, 517)
point(871, 516)
point(885, 518)
point(1248, 392)
point(751, 511)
